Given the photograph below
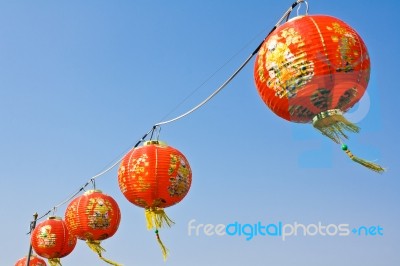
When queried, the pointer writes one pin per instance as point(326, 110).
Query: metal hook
point(300, 4)
point(54, 211)
point(152, 132)
point(158, 133)
point(93, 183)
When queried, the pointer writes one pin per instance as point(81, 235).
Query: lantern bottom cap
point(333, 124)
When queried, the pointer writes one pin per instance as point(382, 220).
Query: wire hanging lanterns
point(311, 69)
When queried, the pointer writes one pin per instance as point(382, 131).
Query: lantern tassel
point(164, 249)
point(373, 166)
point(95, 246)
point(54, 262)
point(333, 124)
point(157, 218)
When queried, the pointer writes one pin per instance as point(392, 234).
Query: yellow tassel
point(373, 166)
point(157, 218)
point(55, 262)
point(333, 124)
point(164, 249)
point(95, 246)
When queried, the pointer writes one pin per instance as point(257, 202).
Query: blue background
point(82, 81)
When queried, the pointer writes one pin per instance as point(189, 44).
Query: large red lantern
point(155, 176)
point(51, 239)
point(312, 69)
point(93, 217)
point(34, 261)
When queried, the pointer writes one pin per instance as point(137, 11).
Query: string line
point(157, 125)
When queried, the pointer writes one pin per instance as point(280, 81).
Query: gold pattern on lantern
point(46, 238)
point(98, 210)
point(292, 37)
point(121, 172)
point(260, 70)
point(288, 72)
point(141, 202)
point(338, 29)
point(172, 165)
point(180, 184)
point(70, 215)
point(139, 169)
point(346, 42)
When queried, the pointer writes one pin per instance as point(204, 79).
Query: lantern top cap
point(54, 218)
point(155, 142)
point(92, 191)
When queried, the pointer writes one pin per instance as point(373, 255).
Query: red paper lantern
point(93, 217)
point(51, 239)
point(155, 176)
point(34, 261)
point(314, 68)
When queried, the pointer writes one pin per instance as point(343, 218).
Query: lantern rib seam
point(323, 45)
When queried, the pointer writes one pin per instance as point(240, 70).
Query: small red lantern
point(155, 176)
point(34, 261)
point(314, 68)
point(93, 217)
point(51, 239)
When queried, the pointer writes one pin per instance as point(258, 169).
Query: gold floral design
point(70, 215)
point(346, 42)
point(46, 238)
point(98, 210)
point(321, 98)
point(287, 72)
point(180, 183)
point(136, 172)
point(122, 179)
point(141, 202)
point(346, 98)
point(292, 37)
point(337, 28)
point(299, 111)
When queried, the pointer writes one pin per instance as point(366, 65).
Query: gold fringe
point(95, 246)
point(333, 125)
point(373, 166)
point(164, 249)
point(157, 218)
point(55, 262)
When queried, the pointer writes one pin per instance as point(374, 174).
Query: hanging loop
point(300, 5)
point(54, 211)
point(158, 133)
point(93, 180)
point(155, 131)
point(152, 131)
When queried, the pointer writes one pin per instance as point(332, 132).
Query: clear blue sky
point(82, 81)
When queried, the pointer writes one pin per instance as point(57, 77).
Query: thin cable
point(93, 178)
point(286, 15)
point(209, 97)
point(214, 73)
